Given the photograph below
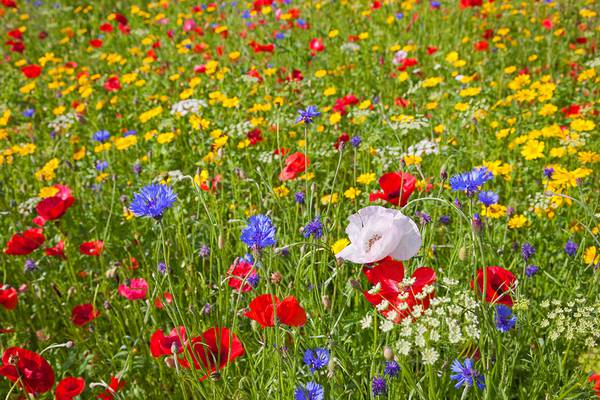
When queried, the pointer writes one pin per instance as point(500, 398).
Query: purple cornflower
point(531, 270)
point(424, 218)
point(101, 166)
point(527, 250)
point(466, 374)
point(314, 228)
point(445, 220)
point(379, 386)
point(29, 112)
point(30, 265)
point(392, 369)
point(259, 233)
point(162, 268)
point(571, 248)
point(316, 359)
point(204, 251)
point(505, 320)
point(307, 115)
point(299, 197)
point(355, 141)
point(477, 223)
point(548, 172)
point(137, 168)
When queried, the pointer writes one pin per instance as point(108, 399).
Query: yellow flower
point(166, 137)
point(148, 115)
point(123, 143)
point(582, 125)
point(413, 160)
point(47, 172)
point(497, 168)
point(47, 191)
point(335, 118)
point(79, 154)
point(281, 191)
point(591, 256)
point(533, 150)
point(494, 211)
point(547, 110)
point(329, 198)
point(365, 179)
point(461, 107)
point(588, 157)
point(564, 178)
point(431, 82)
point(517, 221)
point(352, 193)
point(339, 245)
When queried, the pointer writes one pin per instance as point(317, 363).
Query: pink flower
point(136, 290)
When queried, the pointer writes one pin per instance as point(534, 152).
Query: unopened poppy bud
point(326, 302)
point(70, 344)
point(388, 353)
point(276, 277)
point(355, 284)
point(331, 367)
point(111, 273)
point(170, 362)
point(72, 290)
point(220, 241)
point(443, 175)
point(463, 254)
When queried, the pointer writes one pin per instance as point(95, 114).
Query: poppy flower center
point(372, 240)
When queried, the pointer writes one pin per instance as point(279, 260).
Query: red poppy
point(341, 140)
point(114, 386)
point(106, 27)
point(9, 3)
point(83, 314)
point(135, 290)
point(255, 136)
point(112, 84)
point(316, 45)
point(262, 48)
point(498, 283)
point(167, 297)
point(54, 207)
point(571, 110)
point(96, 43)
point(242, 276)
point(69, 387)
point(213, 350)
point(25, 243)
point(264, 308)
point(93, 248)
point(342, 103)
point(162, 345)
point(294, 165)
point(595, 378)
point(31, 71)
point(56, 251)
point(388, 275)
point(8, 297)
point(397, 188)
point(29, 368)
point(470, 3)
point(482, 45)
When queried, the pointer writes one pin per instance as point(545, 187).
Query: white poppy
point(377, 232)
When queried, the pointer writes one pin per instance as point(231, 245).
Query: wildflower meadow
point(300, 199)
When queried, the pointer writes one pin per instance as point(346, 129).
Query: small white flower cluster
point(425, 146)
point(266, 157)
point(572, 321)
point(185, 107)
point(447, 322)
point(240, 129)
point(63, 122)
point(410, 124)
point(249, 79)
point(540, 201)
point(350, 47)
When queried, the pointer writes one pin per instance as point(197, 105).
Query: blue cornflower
point(378, 386)
point(466, 374)
point(531, 270)
point(505, 320)
point(571, 248)
point(316, 359)
point(527, 250)
point(355, 141)
point(259, 233)
point(29, 112)
point(310, 391)
point(307, 115)
point(101, 136)
point(130, 132)
point(101, 166)
point(314, 228)
point(445, 220)
point(152, 201)
point(471, 181)
point(392, 369)
point(488, 198)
